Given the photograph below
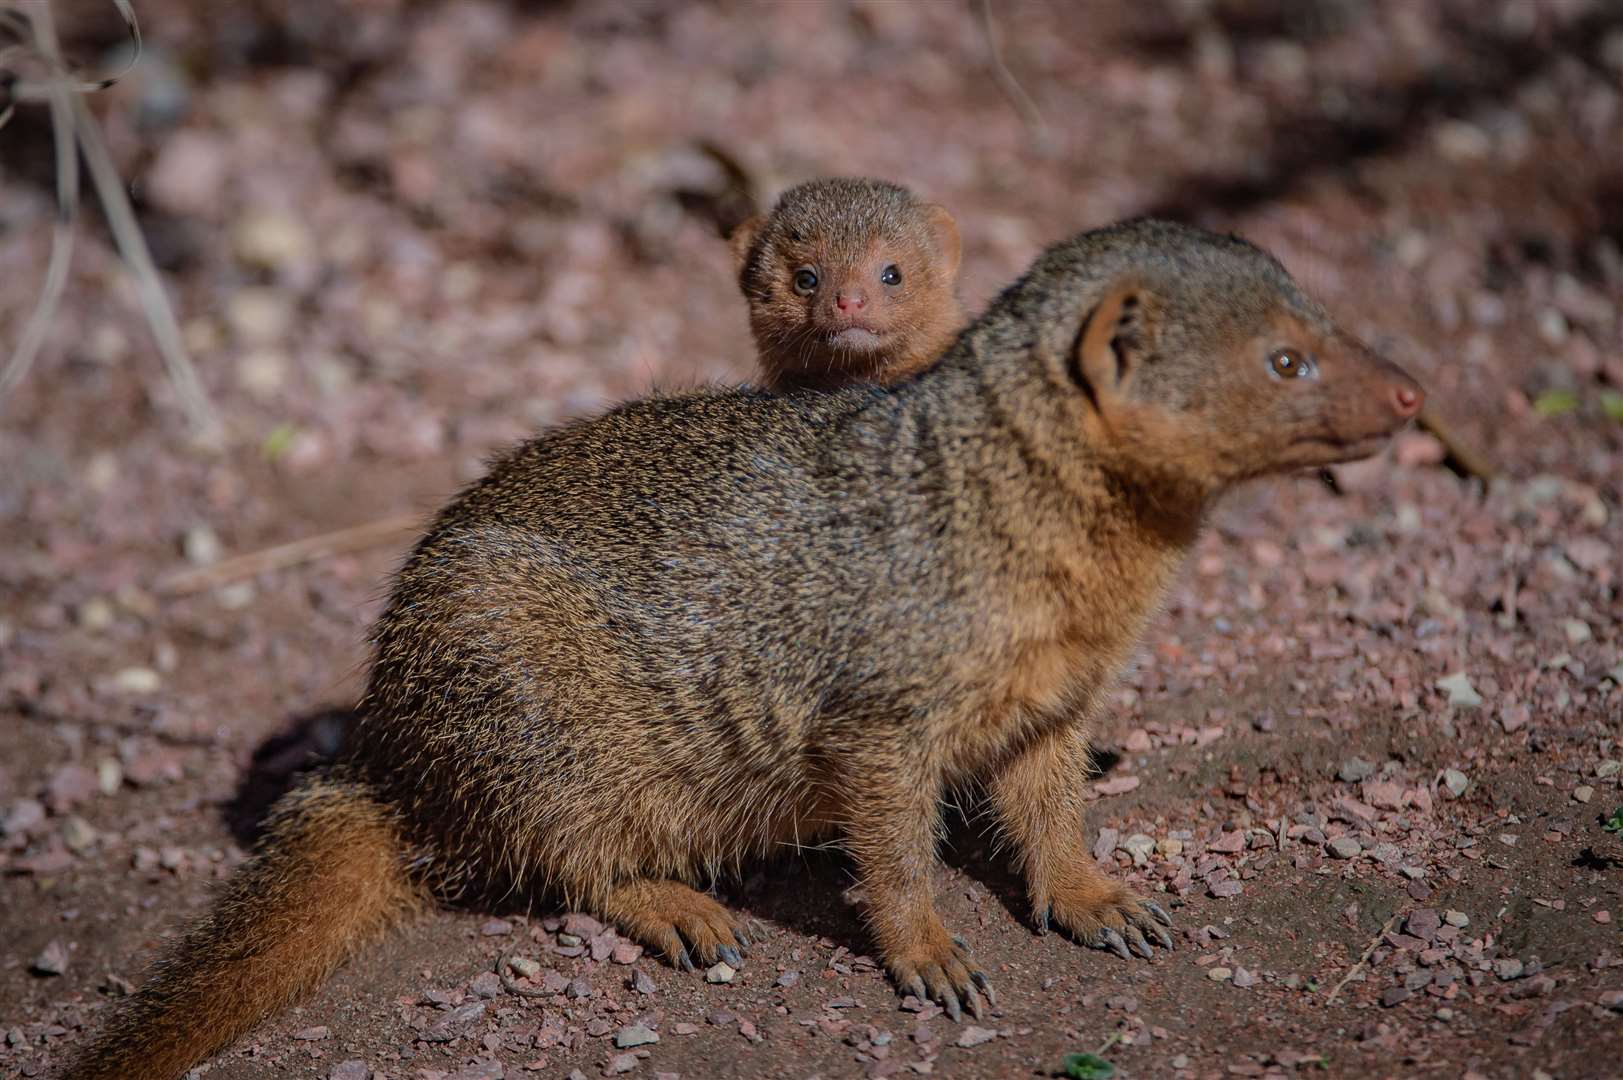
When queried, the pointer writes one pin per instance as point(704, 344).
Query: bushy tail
point(329, 875)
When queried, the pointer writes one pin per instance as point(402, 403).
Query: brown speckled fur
point(651, 646)
point(848, 231)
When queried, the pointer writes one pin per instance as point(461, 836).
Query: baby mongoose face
point(848, 280)
point(1211, 358)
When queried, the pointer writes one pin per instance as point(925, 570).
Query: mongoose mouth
point(856, 339)
point(1328, 450)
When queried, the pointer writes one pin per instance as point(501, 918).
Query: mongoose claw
point(980, 980)
point(1040, 917)
point(1137, 943)
point(682, 960)
point(915, 986)
point(948, 976)
point(730, 954)
point(1160, 914)
point(1107, 938)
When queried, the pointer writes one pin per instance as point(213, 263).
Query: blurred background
point(398, 236)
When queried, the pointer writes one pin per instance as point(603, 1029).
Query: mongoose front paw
point(941, 970)
point(1112, 918)
point(682, 923)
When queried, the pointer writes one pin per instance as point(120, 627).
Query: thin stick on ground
point(1369, 950)
point(1465, 457)
point(1024, 107)
point(293, 553)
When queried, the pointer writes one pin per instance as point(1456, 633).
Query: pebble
point(1454, 782)
point(495, 927)
point(52, 960)
point(1169, 847)
point(137, 680)
point(312, 1034)
point(1612, 999)
point(109, 775)
point(721, 973)
point(578, 989)
point(349, 1070)
point(975, 1036)
point(626, 953)
point(788, 979)
point(1509, 968)
point(1458, 919)
point(78, 834)
point(201, 546)
point(259, 316)
point(1608, 768)
point(1582, 793)
point(1225, 889)
point(1355, 769)
point(24, 816)
point(524, 966)
point(637, 1035)
point(1244, 979)
point(270, 240)
point(1395, 995)
point(1461, 694)
point(487, 984)
point(1345, 847)
point(1603, 916)
point(1139, 846)
point(1577, 631)
point(1218, 974)
point(622, 1063)
point(642, 982)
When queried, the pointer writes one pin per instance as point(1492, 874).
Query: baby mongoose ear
point(742, 238)
point(1114, 341)
point(944, 234)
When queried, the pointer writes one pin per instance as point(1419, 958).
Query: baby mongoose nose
point(850, 301)
point(1406, 400)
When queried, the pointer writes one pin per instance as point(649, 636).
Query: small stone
point(1461, 694)
point(1225, 889)
point(137, 680)
point(1345, 847)
point(1169, 847)
point(1218, 974)
point(626, 953)
point(722, 973)
point(259, 316)
point(1354, 770)
point(642, 982)
point(1395, 995)
point(95, 614)
point(570, 941)
point(1583, 793)
point(1454, 782)
point(24, 816)
point(270, 240)
point(1244, 979)
point(622, 1063)
point(1458, 919)
point(1602, 916)
point(578, 989)
point(1612, 999)
point(582, 926)
point(1577, 631)
point(788, 979)
point(52, 960)
point(1423, 923)
point(1608, 768)
point(201, 546)
point(486, 984)
point(524, 967)
point(1139, 847)
point(311, 1034)
point(109, 775)
point(78, 834)
point(975, 1036)
point(1229, 843)
point(495, 928)
point(1180, 1061)
point(1509, 968)
point(636, 1035)
point(349, 1070)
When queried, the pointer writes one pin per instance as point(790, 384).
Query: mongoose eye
point(805, 281)
point(1290, 364)
point(891, 275)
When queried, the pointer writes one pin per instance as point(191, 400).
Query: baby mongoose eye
point(805, 281)
point(891, 275)
point(1290, 364)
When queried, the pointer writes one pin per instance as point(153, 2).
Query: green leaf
point(277, 442)
point(1611, 403)
point(1615, 822)
point(1088, 1067)
point(1555, 402)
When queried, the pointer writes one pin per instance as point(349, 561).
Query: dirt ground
point(1365, 757)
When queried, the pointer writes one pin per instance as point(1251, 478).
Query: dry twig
point(1024, 107)
point(1369, 951)
point(293, 553)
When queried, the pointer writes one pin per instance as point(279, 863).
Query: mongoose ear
point(1113, 342)
point(944, 233)
point(742, 238)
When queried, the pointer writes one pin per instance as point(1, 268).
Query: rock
point(622, 1063)
point(570, 941)
point(109, 775)
point(1423, 923)
point(1608, 768)
point(486, 984)
point(1218, 974)
point(642, 982)
point(1582, 793)
point(453, 1023)
point(578, 989)
point(1117, 785)
point(1345, 847)
point(78, 834)
point(788, 979)
point(1225, 889)
point(1514, 717)
point(95, 614)
point(975, 1036)
point(201, 546)
point(1229, 843)
point(636, 1035)
point(1106, 844)
point(1244, 979)
point(270, 240)
point(52, 960)
point(349, 1070)
point(1577, 631)
point(721, 973)
point(1611, 999)
point(602, 945)
point(1509, 968)
point(523, 966)
point(1603, 917)
point(136, 680)
point(188, 175)
point(626, 952)
point(1461, 694)
point(1139, 846)
point(259, 316)
point(1395, 995)
point(1354, 770)
point(1457, 919)
point(24, 816)
point(311, 1034)
point(1454, 782)
point(582, 926)
point(1384, 794)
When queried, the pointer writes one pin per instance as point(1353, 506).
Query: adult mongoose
point(848, 280)
point(697, 629)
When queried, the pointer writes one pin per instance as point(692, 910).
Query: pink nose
point(1406, 400)
point(850, 301)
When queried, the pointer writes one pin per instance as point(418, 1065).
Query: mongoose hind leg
point(1038, 800)
point(891, 832)
point(680, 922)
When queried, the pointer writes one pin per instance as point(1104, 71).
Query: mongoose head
point(848, 280)
point(1198, 356)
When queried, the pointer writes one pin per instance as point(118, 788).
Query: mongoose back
point(648, 647)
point(849, 280)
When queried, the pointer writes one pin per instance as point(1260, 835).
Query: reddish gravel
point(1366, 756)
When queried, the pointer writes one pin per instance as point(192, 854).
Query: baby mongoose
point(691, 632)
point(849, 280)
